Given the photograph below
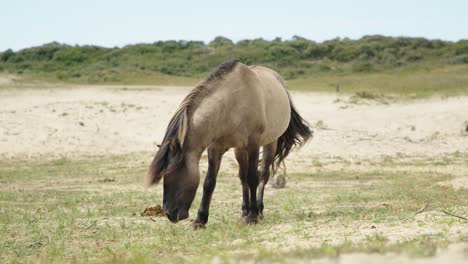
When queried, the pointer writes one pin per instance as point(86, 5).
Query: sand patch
point(7, 79)
point(457, 183)
point(95, 120)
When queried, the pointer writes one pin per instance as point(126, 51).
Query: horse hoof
point(251, 220)
point(197, 225)
point(260, 216)
point(244, 213)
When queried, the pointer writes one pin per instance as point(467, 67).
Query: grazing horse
point(237, 106)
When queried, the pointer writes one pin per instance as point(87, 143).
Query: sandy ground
point(454, 254)
point(51, 123)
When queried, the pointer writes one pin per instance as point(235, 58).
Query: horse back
point(249, 106)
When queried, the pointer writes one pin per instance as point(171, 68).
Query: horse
point(236, 106)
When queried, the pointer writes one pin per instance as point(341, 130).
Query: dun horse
point(237, 106)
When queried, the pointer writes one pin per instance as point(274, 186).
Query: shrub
point(293, 58)
point(70, 56)
point(361, 66)
point(6, 55)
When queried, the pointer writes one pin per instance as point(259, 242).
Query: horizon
point(119, 23)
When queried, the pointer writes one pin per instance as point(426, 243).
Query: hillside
point(304, 61)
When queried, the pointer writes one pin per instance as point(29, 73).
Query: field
point(385, 178)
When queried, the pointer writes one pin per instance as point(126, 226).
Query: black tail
point(297, 134)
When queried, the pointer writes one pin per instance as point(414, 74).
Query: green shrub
point(70, 56)
point(7, 55)
point(362, 66)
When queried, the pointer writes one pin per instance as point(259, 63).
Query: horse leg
point(252, 181)
point(214, 161)
point(268, 159)
point(242, 158)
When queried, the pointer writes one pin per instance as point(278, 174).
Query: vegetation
point(297, 58)
point(406, 82)
point(89, 211)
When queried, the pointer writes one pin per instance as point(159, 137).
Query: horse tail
point(296, 135)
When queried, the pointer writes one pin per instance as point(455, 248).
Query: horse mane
point(171, 151)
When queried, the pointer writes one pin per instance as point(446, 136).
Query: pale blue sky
point(26, 23)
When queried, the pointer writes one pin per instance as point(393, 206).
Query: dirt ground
point(360, 135)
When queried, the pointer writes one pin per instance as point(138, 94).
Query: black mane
point(221, 70)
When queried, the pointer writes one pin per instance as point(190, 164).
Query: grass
point(142, 78)
point(402, 83)
point(65, 210)
point(405, 82)
point(37, 81)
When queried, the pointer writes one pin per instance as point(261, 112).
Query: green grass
point(64, 210)
point(384, 86)
point(39, 80)
point(405, 82)
point(129, 78)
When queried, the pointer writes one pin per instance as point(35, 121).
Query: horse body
point(238, 107)
point(251, 107)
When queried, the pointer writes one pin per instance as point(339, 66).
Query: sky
point(110, 23)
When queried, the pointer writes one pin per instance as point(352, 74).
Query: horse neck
point(203, 116)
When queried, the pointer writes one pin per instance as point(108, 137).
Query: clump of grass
point(320, 125)
point(367, 95)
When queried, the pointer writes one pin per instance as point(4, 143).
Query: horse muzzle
point(176, 215)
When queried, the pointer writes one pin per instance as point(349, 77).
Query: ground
point(383, 180)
